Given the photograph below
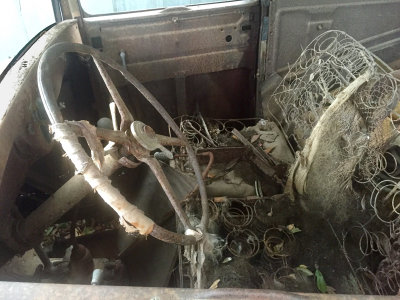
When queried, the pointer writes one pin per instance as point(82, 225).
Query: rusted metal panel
point(294, 24)
point(168, 44)
point(19, 92)
point(21, 131)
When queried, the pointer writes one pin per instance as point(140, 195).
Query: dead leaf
point(330, 290)
point(254, 138)
point(304, 269)
point(220, 199)
point(212, 173)
point(226, 260)
point(215, 284)
point(293, 229)
point(270, 213)
point(269, 150)
point(278, 247)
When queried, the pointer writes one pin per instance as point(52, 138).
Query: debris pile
point(254, 238)
point(338, 108)
point(329, 143)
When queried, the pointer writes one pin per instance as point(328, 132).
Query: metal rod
point(171, 237)
point(113, 112)
point(57, 10)
point(259, 159)
point(121, 138)
point(158, 172)
point(126, 116)
point(205, 172)
point(169, 141)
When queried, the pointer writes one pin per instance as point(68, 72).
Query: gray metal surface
point(294, 24)
point(16, 290)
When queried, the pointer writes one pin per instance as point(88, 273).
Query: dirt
point(315, 246)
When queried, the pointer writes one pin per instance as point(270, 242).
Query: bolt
point(263, 124)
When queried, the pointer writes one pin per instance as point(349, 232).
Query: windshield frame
point(152, 11)
point(23, 50)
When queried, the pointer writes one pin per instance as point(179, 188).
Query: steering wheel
point(134, 137)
